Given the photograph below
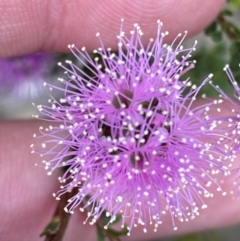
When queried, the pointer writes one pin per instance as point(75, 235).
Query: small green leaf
point(116, 233)
point(117, 220)
point(234, 55)
point(234, 30)
point(216, 36)
point(106, 219)
point(100, 234)
point(211, 28)
point(226, 12)
point(52, 227)
point(235, 59)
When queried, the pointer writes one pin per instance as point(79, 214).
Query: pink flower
point(130, 140)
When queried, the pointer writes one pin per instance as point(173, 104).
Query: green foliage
point(211, 28)
point(214, 32)
point(110, 232)
point(116, 233)
point(225, 32)
point(217, 36)
point(210, 60)
point(223, 26)
point(235, 4)
point(235, 58)
point(100, 234)
point(52, 227)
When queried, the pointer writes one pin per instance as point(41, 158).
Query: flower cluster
point(130, 136)
point(232, 115)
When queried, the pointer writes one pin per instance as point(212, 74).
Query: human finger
point(30, 26)
point(27, 204)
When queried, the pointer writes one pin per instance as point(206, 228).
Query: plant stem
point(228, 30)
point(55, 230)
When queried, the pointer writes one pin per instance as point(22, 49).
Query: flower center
point(123, 99)
point(137, 160)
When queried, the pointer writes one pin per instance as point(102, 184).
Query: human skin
point(49, 25)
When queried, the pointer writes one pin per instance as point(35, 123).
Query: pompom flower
point(130, 140)
point(232, 116)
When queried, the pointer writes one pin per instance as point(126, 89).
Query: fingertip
point(27, 203)
point(52, 25)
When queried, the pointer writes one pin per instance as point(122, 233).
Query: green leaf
point(231, 30)
point(235, 4)
point(52, 227)
point(100, 234)
point(211, 28)
point(234, 55)
point(235, 59)
point(226, 12)
point(216, 36)
point(106, 219)
point(210, 60)
point(116, 233)
point(117, 220)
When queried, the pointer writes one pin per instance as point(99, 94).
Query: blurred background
point(22, 78)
